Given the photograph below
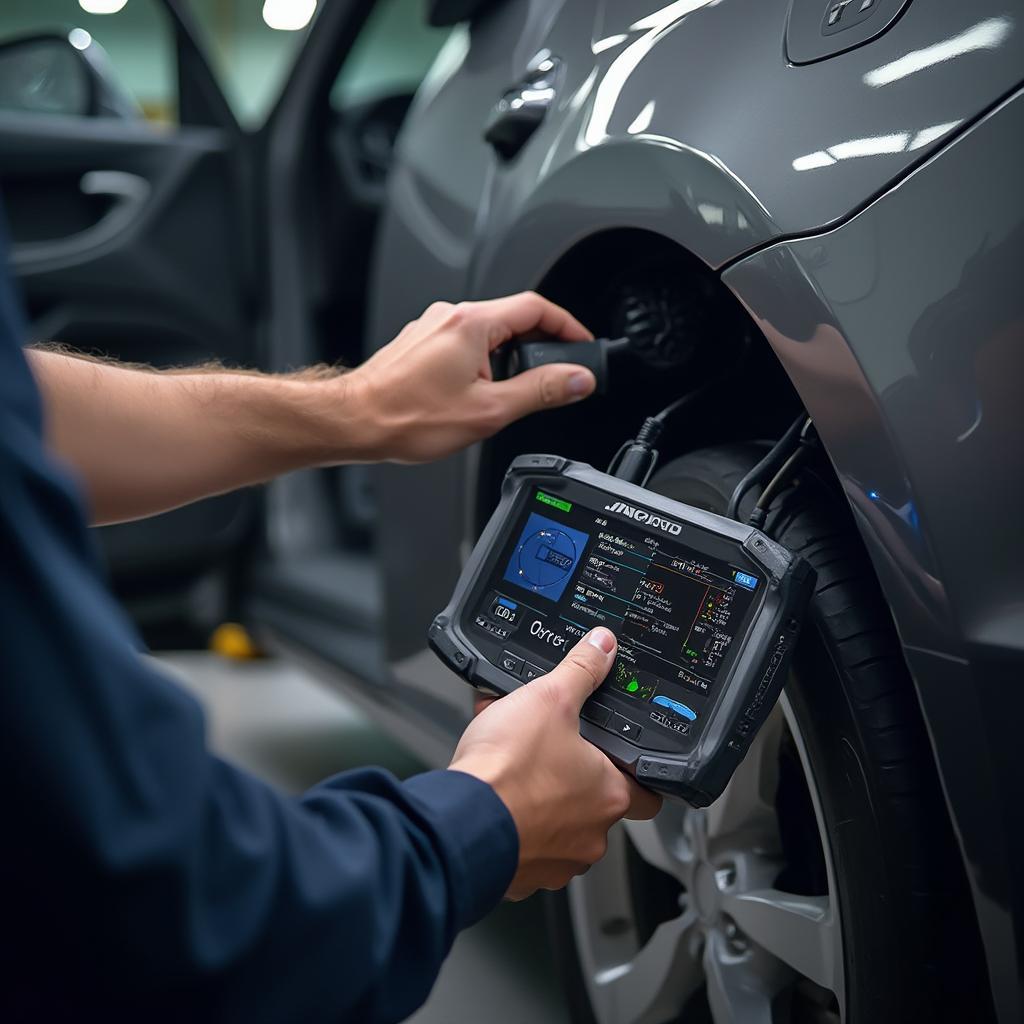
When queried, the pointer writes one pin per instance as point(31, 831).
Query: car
point(800, 208)
point(835, 187)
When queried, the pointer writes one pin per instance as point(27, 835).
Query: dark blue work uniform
point(146, 879)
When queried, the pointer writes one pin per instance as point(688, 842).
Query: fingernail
point(579, 384)
point(603, 639)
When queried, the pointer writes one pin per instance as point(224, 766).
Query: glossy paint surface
point(682, 118)
point(900, 328)
point(903, 332)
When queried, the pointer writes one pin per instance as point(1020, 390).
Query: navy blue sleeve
point(146, 878)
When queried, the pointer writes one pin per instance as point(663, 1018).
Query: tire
point(909, 949)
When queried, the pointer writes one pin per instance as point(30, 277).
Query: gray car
point(837, 186)
point(813, 207)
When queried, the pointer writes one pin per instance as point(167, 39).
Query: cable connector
point(520, 356)
point(634, 462)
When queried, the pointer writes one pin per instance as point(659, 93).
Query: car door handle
point(520, 111)
point(120, 185)
point(129, 193)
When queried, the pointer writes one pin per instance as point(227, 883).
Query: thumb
point(546, 387)
point(583, 669)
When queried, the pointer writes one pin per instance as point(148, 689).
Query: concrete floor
point(279, 723)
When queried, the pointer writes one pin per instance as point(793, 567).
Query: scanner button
point(675, 706)
point(531, 671)
point(503, 610)
point(511, 663)
point(596, 713)
point(625, 728)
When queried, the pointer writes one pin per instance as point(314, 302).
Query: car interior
point(97, 192)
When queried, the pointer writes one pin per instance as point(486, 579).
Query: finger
point(513, 315)
point(544, 387)
point(564, 873)
point(643, 804)
point(434, 313)
point(583, 669)
point(550, 874)
point(482, 704)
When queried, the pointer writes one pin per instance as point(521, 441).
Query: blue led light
point(507, 603)
point(873, 495)
point(746, 580)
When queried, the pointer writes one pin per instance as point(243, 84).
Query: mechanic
point(147, 878)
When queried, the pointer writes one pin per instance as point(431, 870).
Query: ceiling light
point(812, 160)
point(874, 146)
point(80, 39)
point(288, 15)
point(986, 35)
point(928, 135)
point(642, 121)
point(600, 45)
point(102, 6)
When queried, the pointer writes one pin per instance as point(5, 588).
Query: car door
point(198, 180)
point(131, 223)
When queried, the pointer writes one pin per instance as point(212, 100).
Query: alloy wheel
point(760, 954)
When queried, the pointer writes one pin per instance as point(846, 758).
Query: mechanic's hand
point(430, 391)
point(562, 792)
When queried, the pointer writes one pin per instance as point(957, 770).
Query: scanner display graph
point(675, 610)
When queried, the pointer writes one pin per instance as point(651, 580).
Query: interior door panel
point(131, 241)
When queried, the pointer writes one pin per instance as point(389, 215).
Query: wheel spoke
point(747, 807)
point(799, 930)
point(656, 984)
point(740, 985)
point(603, 913)
point(660, 842)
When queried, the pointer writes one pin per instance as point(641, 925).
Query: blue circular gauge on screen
point(545, 556)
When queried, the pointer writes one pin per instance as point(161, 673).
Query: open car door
point(133, 239)
point(166, 233)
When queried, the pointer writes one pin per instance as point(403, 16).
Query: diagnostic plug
point(594, 355)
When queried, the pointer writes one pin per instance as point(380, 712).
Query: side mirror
point(57, 73)
point(44, 75)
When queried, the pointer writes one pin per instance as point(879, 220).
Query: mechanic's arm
point(163, 884)
point(143, 441)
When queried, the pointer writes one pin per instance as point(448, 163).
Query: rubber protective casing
point(745, 695)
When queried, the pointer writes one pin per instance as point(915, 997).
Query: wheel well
point(755, 399)
point(689, 326)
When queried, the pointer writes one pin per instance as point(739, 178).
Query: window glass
point(252, 45)
point(249, 55)
point(391, 55)
point(115, 64)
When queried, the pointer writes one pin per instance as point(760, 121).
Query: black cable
point(635, 460)
point(769, 464)
point(672, 408)
point(760, 512)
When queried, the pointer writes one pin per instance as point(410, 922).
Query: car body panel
point(613, 152)
point(825, 155)
point(738, 163)
point(460, 224)
point(903, 332)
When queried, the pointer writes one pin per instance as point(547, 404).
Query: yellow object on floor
point(232, 640)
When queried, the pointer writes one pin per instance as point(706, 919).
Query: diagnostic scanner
point(706, 611)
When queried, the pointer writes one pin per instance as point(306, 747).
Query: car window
point(251, 46)
point(391, 55)
point(90, 58)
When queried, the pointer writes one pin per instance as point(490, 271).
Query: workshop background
point(264, 713)
point(805, 219)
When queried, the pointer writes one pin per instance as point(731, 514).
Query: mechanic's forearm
point(146, 441)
